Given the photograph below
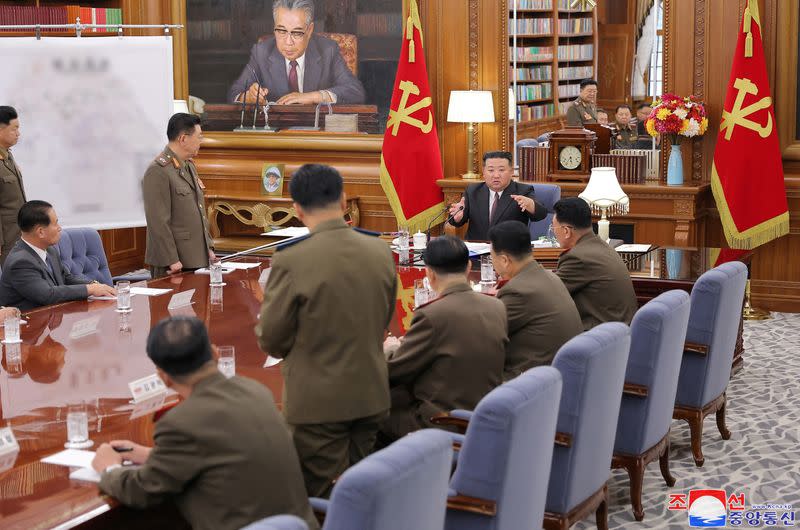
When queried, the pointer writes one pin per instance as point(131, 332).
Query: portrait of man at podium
point(296, 66)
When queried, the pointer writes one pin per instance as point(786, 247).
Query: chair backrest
point(348, 47)
point(548, 195)
point(592, 366)
point(658, 331)
point(278, 522)
point(401, 487)
point(714, 319)
point(507, 452)
point(82, 253)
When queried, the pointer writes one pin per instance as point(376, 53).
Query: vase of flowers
point(674, 117)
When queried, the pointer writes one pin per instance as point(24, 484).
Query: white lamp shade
point(604, 192)
point(180, 105)
point(470, 106)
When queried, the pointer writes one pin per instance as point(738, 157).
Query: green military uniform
point(326, 306)
point(624, 137)
point(12, 197)
point(174, 206)
point(581, 113)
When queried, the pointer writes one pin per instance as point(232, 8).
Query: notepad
point(93, 297)
point(289, 231)
point(86, 474)
point(240, 265)
point(148, 291)
point(71, 458)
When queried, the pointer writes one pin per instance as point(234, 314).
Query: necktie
point(494, 206)
point(293, 85)
point(49, 267)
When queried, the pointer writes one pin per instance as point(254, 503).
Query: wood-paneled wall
point(700, 42)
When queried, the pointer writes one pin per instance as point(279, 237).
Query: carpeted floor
point(762, 458)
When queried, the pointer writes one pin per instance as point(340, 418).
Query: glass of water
point(12, 326)
point(123, 297)
point(551, 236)
point(487, 269)
point(227, 360)
point(77, 426)
point(14, 359)
point(420, 293)
point(216, 272)
point(402, 237)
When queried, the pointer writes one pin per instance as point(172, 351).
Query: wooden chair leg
point(663, 461)
point(636, 474)
point(723, 429)
point(601, 515)
point(696, 432)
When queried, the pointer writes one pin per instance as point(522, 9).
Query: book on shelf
point(566, 5)
point(539, 91)
point(542, 72)
point(575, 72)
point(531, 26)
point(379, 24)
point(66, 14)
point(567, 26)
point(531, 53)
point(534, 4)
point(535, 112)
point(569, 91)
point(209, 29)
point(576, 52)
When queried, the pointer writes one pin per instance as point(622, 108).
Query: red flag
point(411, 162)
point(747, 175)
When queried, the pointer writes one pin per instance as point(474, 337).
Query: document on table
point(71, 458)
point(634, 248)
point(289, 231)
point(148, 291)
point(87, 474)
point(477, 249)
point(240, 265)
point(93, 297)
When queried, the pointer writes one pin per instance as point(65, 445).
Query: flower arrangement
point(676, 116)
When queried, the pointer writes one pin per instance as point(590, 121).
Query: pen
point(123, 449)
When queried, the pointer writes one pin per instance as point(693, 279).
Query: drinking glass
point(216, 272)
point(487, 269)
point(227, 360)
point(77, 426)
point(12, 326)
point(123, 297)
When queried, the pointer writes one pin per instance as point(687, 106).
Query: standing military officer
point(174, 204)
point(584, 109)
point(12, 192)
point(327, 303)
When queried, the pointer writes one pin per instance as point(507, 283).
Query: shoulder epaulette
point(291, 242)
point(366, 232)
point(162, 160)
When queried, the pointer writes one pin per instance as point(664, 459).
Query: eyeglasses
point(283, 34)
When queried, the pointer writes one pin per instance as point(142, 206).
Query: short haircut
point(181, 123)
point(512, 238)
point(304, 5)
point(623, 106)
point(573, 211)
point(33, 214)
point(315, 186)
point(179, 345)
point(602, 111)
point(587, 82)
point(7, 114)
point(446, 255)
point(640, 106)
point(498, 154)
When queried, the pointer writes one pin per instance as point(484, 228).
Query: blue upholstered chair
point(503, 466)
point(401, 487)
point(592, 366)
point(278, 522)
point(82, 253)
point(658, 332)
point(548, 195)
point(717, 299)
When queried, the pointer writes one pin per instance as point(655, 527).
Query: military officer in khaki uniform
point(584, 109)
point(624, 134)
point(12, 191)
point(327, 303)
point(453, 353)
point(174, 205)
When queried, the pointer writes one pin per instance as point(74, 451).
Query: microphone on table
point(244, 105)
point(449, 218)
point(255, 109)
point(260, 247)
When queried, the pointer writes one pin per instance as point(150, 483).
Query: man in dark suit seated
point(496, 199)
point(224, 454)
point(541, 314)
point(592, 271)
point(453, 353)
point(33, 275)
point(296, 66)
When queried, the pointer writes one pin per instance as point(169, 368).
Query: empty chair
point(717, 299)
point(592, 366)
point(401, 487)
point(657, 334)
point(278, 522)
point(503, 466)
point(548, 195)
point(82, 252)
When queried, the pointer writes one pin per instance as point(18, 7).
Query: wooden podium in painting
point(228, 116)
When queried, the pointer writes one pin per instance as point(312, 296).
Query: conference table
point(57, 367)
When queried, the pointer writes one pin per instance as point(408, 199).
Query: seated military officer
point(623, 133)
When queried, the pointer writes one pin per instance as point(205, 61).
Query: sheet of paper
point(634, 248)
point(102, 297)
point(71, 458)
point(181, 299)
point(225, 270)
point(87, 474)
point(147, 291)
point(240, 265)
point(289, 231)
point(478, 249)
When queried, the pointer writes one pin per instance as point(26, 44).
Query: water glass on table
point(78, 426)
point(123, 297)
point(487, 270)
point(227, 360)
point(11, 325)
point(216, 272)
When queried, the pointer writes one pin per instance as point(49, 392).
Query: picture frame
point(272, 179)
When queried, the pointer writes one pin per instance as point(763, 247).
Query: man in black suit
point(296, 66)
point(33, 275)
point(495, 200)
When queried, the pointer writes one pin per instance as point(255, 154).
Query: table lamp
point(605, 196)
point(470, 107)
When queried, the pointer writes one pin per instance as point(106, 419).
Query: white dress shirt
point(39, 252)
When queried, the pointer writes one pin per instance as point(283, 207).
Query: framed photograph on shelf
point(272, 179)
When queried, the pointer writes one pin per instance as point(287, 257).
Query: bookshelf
point(556, 47)
point(61, 12)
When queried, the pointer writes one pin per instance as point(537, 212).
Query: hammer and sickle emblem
point(739, 115)
point(404, 111)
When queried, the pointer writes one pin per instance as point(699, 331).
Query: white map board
point(93, 114)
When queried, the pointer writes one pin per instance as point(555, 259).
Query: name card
point(181, 299)
point(8, 442)
point(84, 327)
point(146, 388)
point(148, 406)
